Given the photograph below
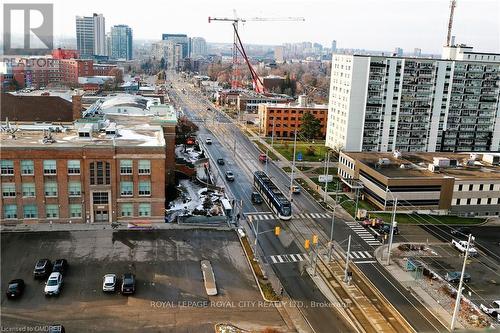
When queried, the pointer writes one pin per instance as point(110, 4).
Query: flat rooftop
point(416, 165)
point(132, 131)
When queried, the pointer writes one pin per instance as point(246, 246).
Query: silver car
point(53, 284)
point(109, 283)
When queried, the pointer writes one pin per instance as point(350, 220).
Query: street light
point(333, 223)
point(272, 142)
point(293, 164)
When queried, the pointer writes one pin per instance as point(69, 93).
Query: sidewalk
point(408, 282)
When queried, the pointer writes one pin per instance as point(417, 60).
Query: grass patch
point(288, 169)
point(318, 197)
point(321, 171)
point(426, 219)
point(311, 152)
point(350, 206)
point(332, 186)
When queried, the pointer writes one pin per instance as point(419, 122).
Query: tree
point(310, 127)
point(118, 74)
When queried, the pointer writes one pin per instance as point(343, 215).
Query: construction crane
point(453, 4)
point(238, 49)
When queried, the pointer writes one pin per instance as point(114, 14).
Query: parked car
point(43, 267)
point(493, 309)
point(15, 288)
point(256, 198)
point(128, 283)
point(229, 175)
point(208, 141)
point(262, 157)
point(109, 282)
point(454, 277)
point(60, 265)
point(53, 284)
point(220, 161)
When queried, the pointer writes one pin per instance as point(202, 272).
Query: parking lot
point(170, 294)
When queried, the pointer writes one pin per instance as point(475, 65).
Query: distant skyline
point(358, 24)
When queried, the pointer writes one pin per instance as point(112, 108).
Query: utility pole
point(459, 291)
point(330, 244)
point(346, 279)
point(293, 164)
point(393, 222)
point(326, 175)
point(267, 152)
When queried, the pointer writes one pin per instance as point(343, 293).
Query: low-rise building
point(464, 184)
point(287, 118)
point(105, 167)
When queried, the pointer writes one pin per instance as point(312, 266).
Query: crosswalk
point(363, 233)
point(288, 258)
point(271, 216)
point(362, 257)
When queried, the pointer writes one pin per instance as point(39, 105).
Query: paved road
point(246, 158)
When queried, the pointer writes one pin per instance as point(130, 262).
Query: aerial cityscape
point(265, 167)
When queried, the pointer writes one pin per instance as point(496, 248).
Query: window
point(10, 211)
point(125, 167)
point(52, 211)
point(51, 189)
point(144, 209)
point(49, 167)
point(74, 189)
point(479, 201)
point(460, 187)
point(126, 188)
point(491, 187)
point(470, 187)
point(75, 210)
point(458, 201)
point(488, 201)
point(30, 211)
point(7, 167)
point(480, 187)
point(100, 173)
point(73, 167)
point(127, 209)
point(8, 190)
point(144, 167)
point(28, 189)
point(145, 188)
point(100, 198)
point(468, 201)
point(27, 167)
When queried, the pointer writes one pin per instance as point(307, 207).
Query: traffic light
point(315, 239)
point(277, 231)
point(306, 244)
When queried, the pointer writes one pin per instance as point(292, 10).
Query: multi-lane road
point(241, 156)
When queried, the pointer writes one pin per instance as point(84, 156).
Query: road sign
point(324, 178)
point(299, 156)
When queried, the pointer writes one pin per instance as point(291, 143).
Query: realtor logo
point(28, 28)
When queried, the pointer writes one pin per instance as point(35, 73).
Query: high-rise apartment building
point(198, 46)
point(334, 46)
point(279, 54)
point(90, 35)
point(180, 39)
point(380, 103)
point(121, 42)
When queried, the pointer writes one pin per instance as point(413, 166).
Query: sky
point(363, 24)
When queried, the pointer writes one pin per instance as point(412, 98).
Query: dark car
point(256, 198)
point(220, 161)
point(454, 277)
point(15, 288)
point(385, 228)
point(461, 231)
point(128, 283)
point(43, 268)
point(60, 265)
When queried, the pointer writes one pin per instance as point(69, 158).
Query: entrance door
point(101, 216)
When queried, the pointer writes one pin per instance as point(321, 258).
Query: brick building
point(287, 118)
point(105, 168)
point(65, 54)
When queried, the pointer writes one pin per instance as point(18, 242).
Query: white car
point(53, 284)
point(208, 141)
point(109, 282)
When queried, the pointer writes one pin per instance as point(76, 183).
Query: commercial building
point(90, 35)
point(287, 118)
point(380, 103)
point(180, 39)
point(465, 184)
point(168, 50)
point(198, 46)
point(107, 167)
point(121, 42)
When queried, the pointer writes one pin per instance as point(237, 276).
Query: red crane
point(238, 49)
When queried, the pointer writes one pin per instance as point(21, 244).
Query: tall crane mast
point(453, 4)
point(238, 49)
